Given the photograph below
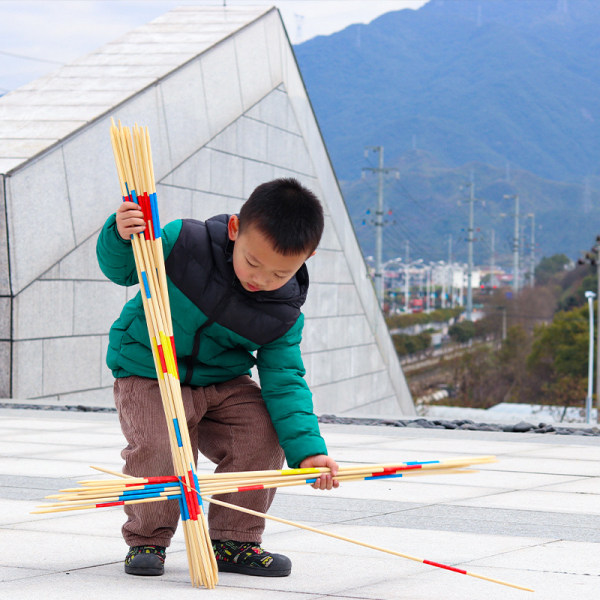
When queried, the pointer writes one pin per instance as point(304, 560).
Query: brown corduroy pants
point(229, 424)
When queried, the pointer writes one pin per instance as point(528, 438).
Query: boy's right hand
point(130, 220)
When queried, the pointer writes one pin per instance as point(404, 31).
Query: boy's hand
point(325, 481)
point(130, 219)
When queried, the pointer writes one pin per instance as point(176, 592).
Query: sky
point(38, 36)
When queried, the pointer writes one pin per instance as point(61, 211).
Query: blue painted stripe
point(197, 486)
point(390, 476)
point(155, 218)
point(422, 462)
point(178, 433)
point(134, 196)
point(149, 489)
point(185, 515)
point(183, 509)
point(146, 286)
point(144, 495)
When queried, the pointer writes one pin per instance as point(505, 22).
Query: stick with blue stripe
point(133, 157)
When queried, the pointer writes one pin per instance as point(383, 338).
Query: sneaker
point(248, 558)
point(145, 560)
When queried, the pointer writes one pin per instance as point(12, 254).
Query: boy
point(236, 286)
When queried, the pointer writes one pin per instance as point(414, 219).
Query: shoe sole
point(225, 567)
point(144, 572)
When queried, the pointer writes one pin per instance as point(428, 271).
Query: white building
point(221, 93)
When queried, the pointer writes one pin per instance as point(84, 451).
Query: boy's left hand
point(325, 481)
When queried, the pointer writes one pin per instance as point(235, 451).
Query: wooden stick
point(115, 473)
point(365, 544)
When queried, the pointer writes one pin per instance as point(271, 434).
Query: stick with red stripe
point(366, 544)
point(133, 159)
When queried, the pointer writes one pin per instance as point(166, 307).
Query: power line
point(45, 60)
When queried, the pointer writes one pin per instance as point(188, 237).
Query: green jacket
point(221, 331)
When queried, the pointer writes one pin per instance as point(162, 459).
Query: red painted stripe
point(104, 504)
point(145, 206)
point(161, 354)
point(192, 499)
point(165, 479)
point(448, 568)
point(247, 488)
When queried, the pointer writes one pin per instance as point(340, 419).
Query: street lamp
point(588, 401)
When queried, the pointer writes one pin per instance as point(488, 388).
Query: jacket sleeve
point(288, 398)
point(115, 255)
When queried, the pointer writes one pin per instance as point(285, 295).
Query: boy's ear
point(233, 227)
point(314, 252)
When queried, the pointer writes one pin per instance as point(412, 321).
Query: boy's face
point(256, 264)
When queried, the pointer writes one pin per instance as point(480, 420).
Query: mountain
point(488, 86)
point(428, 202)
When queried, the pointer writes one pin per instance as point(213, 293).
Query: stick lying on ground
point(365, 544)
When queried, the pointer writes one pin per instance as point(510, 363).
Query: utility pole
point(443, 297)
point(381, 171)
point(470, 240)
point(451, 291)
point(515, 244)
point(493, 261)
point(406, 278)
point(588, 399)
point(470, 247)
point(532, 250)
point(428, 289)
point(516, 247)
point(593, 258)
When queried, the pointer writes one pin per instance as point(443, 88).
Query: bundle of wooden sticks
point(132, 490)
point(133, 157)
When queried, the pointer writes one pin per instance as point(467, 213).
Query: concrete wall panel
point(28, 369)
point(44, 309)
point(71, 364)
point(91, 316)
point(92, 181)
point(4, 266)
point(252, 53)
point(81, 263)
point(222, 86)
point(193, 174)
point(39, 219)
point(186, 116)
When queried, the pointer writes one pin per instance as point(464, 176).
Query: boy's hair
point(287, 213)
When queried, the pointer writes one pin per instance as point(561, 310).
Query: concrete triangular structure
point(221, 93)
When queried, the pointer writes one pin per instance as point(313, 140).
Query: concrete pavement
point(532, 518)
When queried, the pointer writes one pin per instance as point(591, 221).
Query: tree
point(550, 266)
point(513, 377)
point(472, 379)
point(558, 361)
point(462, 332)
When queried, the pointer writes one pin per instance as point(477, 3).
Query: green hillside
point(427, 202)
